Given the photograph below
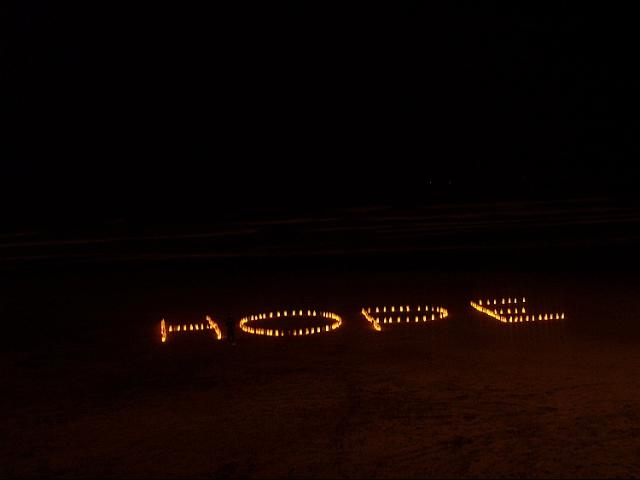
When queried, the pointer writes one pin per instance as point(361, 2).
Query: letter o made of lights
point(247, 327)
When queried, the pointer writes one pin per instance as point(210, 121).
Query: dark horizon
point(115, 107)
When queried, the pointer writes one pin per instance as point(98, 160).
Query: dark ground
point(90, 390)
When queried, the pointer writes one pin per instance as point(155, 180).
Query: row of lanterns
point(375, 316)
point(166, 329)
point(510, 315)
point(245, 323)
point(420, 314)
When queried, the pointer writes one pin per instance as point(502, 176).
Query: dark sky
point(158, 106)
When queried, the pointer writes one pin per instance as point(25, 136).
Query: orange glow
point(247, 328)
point(197, 327)
point(513, 319)
point(213, 325)
point(376, 320)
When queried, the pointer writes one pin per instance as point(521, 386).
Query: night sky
point(168, 108)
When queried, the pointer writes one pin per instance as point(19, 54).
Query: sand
point(100, 395)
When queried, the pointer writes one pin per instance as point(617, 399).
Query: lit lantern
point(163, 331)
